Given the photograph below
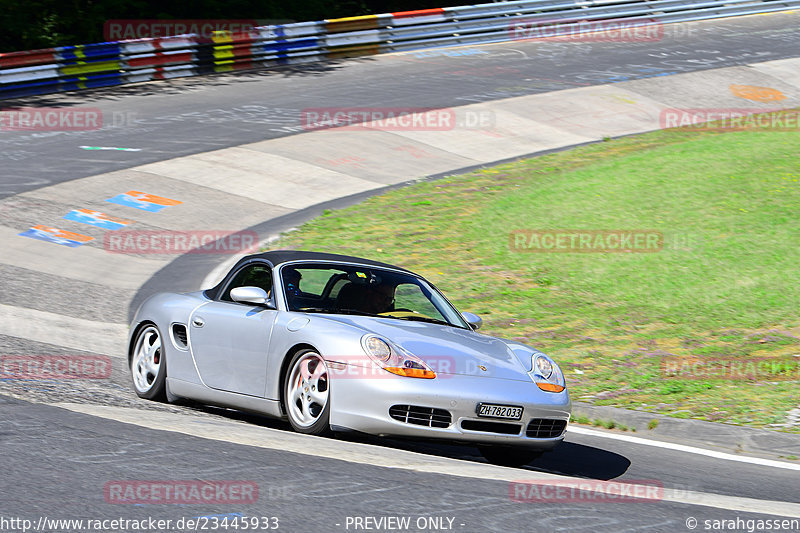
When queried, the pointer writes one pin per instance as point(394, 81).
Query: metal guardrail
point(69, 68)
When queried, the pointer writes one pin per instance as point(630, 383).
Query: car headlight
point(544, 366)
point(378, 348)
point(546, 374)
point(394, 359)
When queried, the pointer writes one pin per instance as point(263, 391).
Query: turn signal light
point(550, 387)
point(422, 373)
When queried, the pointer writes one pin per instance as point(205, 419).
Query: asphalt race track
point(185, 116)
point(65, 480)
point(63, 443)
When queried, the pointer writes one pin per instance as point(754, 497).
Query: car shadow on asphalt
point(568, 458)
point(580, 460)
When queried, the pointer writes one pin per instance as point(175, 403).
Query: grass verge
point(724, 287)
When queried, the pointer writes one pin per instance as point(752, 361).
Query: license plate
point(492, 410)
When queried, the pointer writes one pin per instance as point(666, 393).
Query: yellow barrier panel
point(223, 52)
point(367, 22)
point(220, 37)
point(88, 68)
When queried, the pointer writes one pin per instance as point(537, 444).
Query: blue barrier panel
point(29, 88)
point(91, 81)
point(53, 85)
point(89, 51)
point(283, 46)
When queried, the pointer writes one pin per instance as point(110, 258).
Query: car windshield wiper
point(419, 319)
point(384, 315)
point(351, 312)
point(332, 311)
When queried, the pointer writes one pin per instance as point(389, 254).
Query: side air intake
point(545, 428)
point(421, 416)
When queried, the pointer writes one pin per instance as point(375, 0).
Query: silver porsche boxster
point(336, 343)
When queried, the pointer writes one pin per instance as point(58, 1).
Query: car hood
point(446, 349)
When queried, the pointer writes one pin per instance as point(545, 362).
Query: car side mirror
point(474, 321)
point(251, 295)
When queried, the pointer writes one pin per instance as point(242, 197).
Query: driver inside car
point(379, 299)
point(291, 280)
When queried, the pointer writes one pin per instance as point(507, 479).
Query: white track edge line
point(684, 448)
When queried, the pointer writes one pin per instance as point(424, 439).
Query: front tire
point(307, 393)
point(507, 456)
point(149, 365)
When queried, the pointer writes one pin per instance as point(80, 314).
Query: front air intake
point(545, 428)
point(421, 416)
point(487, 426)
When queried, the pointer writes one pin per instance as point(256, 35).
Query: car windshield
point(367, 291)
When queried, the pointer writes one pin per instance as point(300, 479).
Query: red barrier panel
point(30, 57)
point(418, 13)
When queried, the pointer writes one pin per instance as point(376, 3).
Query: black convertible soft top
point(277, 257)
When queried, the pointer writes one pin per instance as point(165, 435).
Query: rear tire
point(149, 365)
point(507, 456)
point(306, 393)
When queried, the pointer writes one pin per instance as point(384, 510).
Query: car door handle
point(198, 322)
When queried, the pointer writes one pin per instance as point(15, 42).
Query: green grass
point(725, 285)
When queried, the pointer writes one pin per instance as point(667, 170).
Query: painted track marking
point(684, 448)
point(75, 333)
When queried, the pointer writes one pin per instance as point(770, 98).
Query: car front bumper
point(363, 404)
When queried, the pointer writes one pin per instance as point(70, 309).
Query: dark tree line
point(31, 24)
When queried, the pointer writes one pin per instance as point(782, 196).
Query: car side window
point(258, 275)
point(410, 296)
